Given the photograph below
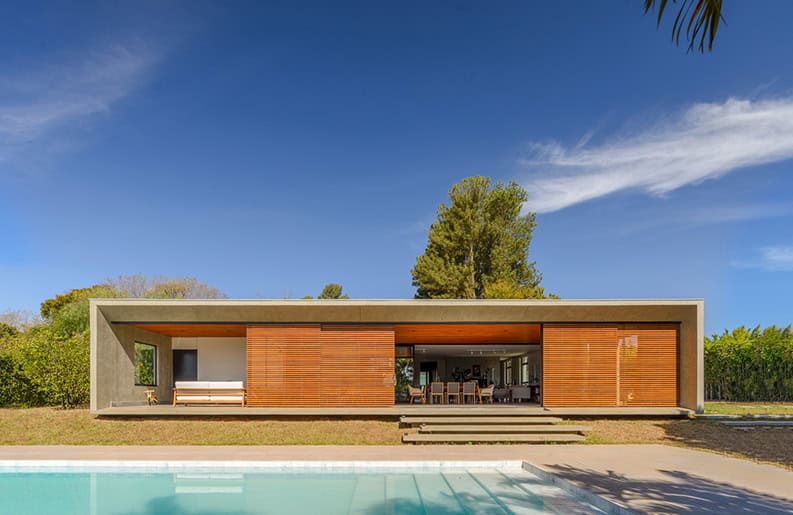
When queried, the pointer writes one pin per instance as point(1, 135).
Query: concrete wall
point(113, 363)
point(219, 359)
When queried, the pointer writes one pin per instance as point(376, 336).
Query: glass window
point(145, 364)
point(524, 369)
point(508, 372)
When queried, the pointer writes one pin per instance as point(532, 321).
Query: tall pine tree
point(479, 245)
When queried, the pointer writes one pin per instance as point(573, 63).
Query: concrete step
point(502, 437)
point(479, 420)
point(515, 428)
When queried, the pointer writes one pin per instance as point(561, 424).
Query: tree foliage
point(161, 287)
point(700, 18)
point(332, 291)
point(47, 361)
point(54, 364)
point(479, 245)
point(750, 365)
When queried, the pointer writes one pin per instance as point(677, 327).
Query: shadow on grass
point(771, 444)
point(678, 492)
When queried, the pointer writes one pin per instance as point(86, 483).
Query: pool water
point(441, 491)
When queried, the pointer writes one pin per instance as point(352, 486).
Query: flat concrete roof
point(393, 310)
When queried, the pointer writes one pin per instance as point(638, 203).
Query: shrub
point(56, 365)
point(750, 365)
point(15, 388)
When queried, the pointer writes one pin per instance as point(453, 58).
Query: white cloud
point(777, 258)
point(704, 142)
point(36, 103)
point(773, 259)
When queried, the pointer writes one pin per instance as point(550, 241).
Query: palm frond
point(703, 18)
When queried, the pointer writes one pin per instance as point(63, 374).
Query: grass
point(748, 408)
point(51, 426)
point(766, 445)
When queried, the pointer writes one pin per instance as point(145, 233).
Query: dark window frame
point(155, 375)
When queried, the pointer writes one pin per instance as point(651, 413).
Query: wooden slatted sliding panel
point(579, 365)
point(357, 365)
point(283, 365)
point(647, 365)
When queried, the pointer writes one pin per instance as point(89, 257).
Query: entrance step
point(410, 420)
point(434, 428)
point(503, 437)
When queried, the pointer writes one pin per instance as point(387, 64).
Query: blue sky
point(268, 149)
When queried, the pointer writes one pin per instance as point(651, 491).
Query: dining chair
point(436, 390)
point(469, 390)
point(453, 390)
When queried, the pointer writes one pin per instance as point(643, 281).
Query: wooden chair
point(436, 390)
point(416, 393)
point(469, 390)
point(486, 393)
point(151, 397)
point(453, 390)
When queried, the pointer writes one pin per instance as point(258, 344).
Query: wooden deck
point(388, 411)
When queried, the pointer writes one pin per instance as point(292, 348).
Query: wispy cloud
point(773, 259)
point(706, 141)
point(37, 103)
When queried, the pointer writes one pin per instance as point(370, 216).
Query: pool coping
point(52, 466)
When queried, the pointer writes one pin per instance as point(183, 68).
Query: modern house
point(328, 354)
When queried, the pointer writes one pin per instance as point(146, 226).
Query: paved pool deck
point(643, 478)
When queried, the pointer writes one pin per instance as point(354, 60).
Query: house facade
point(364, 353)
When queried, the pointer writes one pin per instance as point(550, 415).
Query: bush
point(750, 365)
point(56, 365)
point(16, 390)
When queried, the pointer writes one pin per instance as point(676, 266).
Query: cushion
point(224, 384)
point(193, 398)
point(191, 384)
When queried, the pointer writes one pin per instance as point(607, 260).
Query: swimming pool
point(203, 490)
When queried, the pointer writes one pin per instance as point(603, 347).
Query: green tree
point(332, 291)
point(479, 245)
point(750, 364)
point(7, 331)
point(55, 364)
point(700, 18)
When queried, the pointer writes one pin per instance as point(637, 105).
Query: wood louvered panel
point(436, 334)
point(313, 365)
point(579, 365)
point(647, 365)
point(357, 365)
point(283, 365)
point(610, 365)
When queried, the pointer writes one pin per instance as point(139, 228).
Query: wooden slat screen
point(314, 365)
point(357, 365)
point(579, 365)
point(647, 365)
point(610, 365)
point(283, 365)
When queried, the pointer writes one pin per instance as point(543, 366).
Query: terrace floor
point(388, 411)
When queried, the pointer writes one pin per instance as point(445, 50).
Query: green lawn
point(52, 426)
point(748, 408)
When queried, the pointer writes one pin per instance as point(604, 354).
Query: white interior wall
point(219, 359)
